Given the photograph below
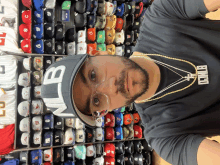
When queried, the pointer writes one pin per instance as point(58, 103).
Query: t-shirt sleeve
point(178, 150)
point(181, 9)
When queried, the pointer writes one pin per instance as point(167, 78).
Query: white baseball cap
point(47, 155)
point(37, 123)
point(37, 137)
point(81, 36)
point(80, 136)
point(25, 138)
point(99, 134)
point(90, 151)
point(23, 108)
point(99, 161)
point(69, 136)
point(79, 124)
point(70, 122)
point(24, 125)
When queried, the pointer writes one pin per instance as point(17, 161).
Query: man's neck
point(154, 75)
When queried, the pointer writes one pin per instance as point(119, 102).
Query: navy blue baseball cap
point(118, 133)
point(119, 119)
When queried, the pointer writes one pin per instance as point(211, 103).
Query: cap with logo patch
point(37, 157)
point(109, 150)
point(80, 152)
point(39, 16)
point(61, 76)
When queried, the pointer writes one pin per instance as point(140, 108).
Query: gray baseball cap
point(57, 88)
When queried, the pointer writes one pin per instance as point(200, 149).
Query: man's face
point(108, 81)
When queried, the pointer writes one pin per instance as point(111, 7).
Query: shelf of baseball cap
point(54, 26)
point(127, 153)
point(29, 103)
point(70, 145)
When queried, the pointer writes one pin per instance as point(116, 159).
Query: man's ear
point(98, 53)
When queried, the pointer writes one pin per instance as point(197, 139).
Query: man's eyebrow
point(82, 75)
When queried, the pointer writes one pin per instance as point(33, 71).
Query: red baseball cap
point(91, 48)
point(109, 120)
point(119, 24)
point(109, 161)
point(26, 45)
point(25, 31)
point(109, 150)
point(109, 133)
point(137, 131)
point(91, 34)
point(128, 119)
point(136, 118)
point(27, 3)
point(26, 16)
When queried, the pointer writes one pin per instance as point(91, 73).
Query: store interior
point(46, 33)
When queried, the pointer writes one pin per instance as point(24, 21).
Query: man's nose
point(108, 87)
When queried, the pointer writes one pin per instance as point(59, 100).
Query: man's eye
point(96, 101)
point(93, 75)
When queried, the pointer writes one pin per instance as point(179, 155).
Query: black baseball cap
point(57, 88)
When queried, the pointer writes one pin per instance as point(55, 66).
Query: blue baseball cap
point(39, 47)
point(37, 157)
point(118, 133)
point(38, 4)
point(119, 119)
point(12, 162)
point(39, 16)
point(48, 121)
point(48, 139)
point(120, 10)
point(38, 31)
point(69, 163)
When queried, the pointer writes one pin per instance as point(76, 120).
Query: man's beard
point(131, 65)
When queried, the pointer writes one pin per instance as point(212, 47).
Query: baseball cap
point(80, 151)
point(37, 157)
point(61, 76)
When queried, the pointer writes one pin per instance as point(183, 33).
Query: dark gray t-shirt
point(176, 124)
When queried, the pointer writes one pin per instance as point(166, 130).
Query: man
point(176, 91)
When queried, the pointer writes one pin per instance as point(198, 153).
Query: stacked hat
point(80, 152)
point(109, 120)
